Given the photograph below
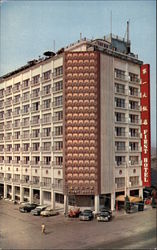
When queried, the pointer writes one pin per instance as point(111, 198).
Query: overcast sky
point(28, 28)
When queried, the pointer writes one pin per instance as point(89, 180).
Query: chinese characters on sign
point(145, 127)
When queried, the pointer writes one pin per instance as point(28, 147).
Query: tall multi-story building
point(72, 126)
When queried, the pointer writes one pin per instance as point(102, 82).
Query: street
point(23, 231)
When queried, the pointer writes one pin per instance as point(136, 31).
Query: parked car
point(104, 216)
point(86, 215)
point(49, 212)
point(38, 210)
point(27, 207)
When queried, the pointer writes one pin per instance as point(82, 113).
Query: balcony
point(2, 106)
point(25, 163)
point(122, 120)
point(135, 163)
point(122, 134)
point(121, 77)
point(134, 150)
point(134, 108)
point(57, 187)
point(46, 120)
point(35, 95)
point(35, 183)
point(134, 80)
point(120, 164)
point(46, 135)
point(25, 124)
point(8, 116)
point(25, 136)
point(25, 150)
point(57, 104)
point(16, 125)
point(1, 95)
point(57, 149)
point(35, 122)
point(1, 127)
point(120, 106)
point(8, 92)
point(46, 149)
point(16, 101)
point(35, 136)
point(46, 185)
point(7, 179)
point(8, 103)
point(46, 164)
point(16, 88)
point(46, 107)
point(26, 112)
point(17, 181)
point(35, 164)
point(16, 113)
point(135, 121)
point(120, 149)
point(35, 150)
point(25, 98)
point(119, 185)
point(57, 119)
point(35, 82)
point(35, 109)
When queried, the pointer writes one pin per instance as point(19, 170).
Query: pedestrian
point(43, 228)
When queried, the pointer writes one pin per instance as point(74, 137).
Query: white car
point(49, 212)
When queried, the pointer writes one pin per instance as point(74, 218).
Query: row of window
point(46, 160)
point(121, 160)
point(120, 182)
point(121, 146)
point(121, 89)
point(121, 74)
point(35, 80)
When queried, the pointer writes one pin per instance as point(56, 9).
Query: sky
point(29, 28)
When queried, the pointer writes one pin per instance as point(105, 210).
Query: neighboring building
point(71, 128)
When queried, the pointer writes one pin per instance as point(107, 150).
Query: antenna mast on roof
point(111, 23)
point(54, 45)
point(128, 31)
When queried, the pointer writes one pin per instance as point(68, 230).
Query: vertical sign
point(145, 127)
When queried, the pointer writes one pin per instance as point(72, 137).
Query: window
point(134, 180)
point(36, 79)
point(47, 75)
point(36, 159)
point(26, 146)
point(58, 130)
point(35, 179)
point(120, 160)
point(47, 104)
point(58, 116)
point(36, 92)
point(47, 89)
point(46, 132)
point(35, 106)
point(58, 71)
point(46, 118)
point(59, 160)
point(17, 135)
point(133, 77)
point(35, 146)
point(133, 105)
point(120, 88)
point(26, 108)
point(46, 181)
point(119, 131)
point(134, 118)
point(26, 96)
point(25, 83)
point(120, 74)
point(134, 132)
point(133, 146)
point(120, 103)
point(58, 101)
point(1, 93)
point(35, 133)
point(133, 160)
point(120, 117)
point(58, 145)
point(58, 86)
point(17, 111)
point(120, 146)
point(47, 146)
point(120, 182)
point(47, 160)
point(133, 91)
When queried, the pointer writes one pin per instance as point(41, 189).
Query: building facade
point(70, 126)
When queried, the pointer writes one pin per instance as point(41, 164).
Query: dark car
point(27, 207)
point(86, 215)
point(104, 216)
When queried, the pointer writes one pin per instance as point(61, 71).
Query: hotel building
point(71, 126)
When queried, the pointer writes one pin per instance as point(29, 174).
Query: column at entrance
point(13, 192)
point(21, 193)
point(5, 191)
point(53, 199)
point(96, 203)
point(112, 201)
point(65, 204)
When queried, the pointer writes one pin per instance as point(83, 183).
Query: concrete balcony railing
point(46, 120)
point(35, 95)
point(18, 181)
point(57, 104)
point(57, 187)
point(46, 149)
point(35, 122)
point(46, 164)
point(134, 80)
point(25, 98)
point(120, 149)
point(46, 185)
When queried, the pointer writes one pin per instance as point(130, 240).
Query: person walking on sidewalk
point(43, 228)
